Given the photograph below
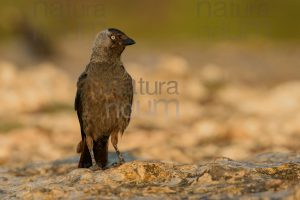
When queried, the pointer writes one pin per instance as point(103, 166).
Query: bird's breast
point(105, 89)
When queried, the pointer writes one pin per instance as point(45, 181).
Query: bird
point(103, 99)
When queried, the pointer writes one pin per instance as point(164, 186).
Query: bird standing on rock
point(103, 99)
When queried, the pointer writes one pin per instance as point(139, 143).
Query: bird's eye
point(113, 37)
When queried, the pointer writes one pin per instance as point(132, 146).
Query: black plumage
point(103, 99)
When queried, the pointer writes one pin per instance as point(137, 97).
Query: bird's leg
point(114, 141)
point(100, 151)
point(90, 144)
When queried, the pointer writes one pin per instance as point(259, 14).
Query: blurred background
point(225, 73)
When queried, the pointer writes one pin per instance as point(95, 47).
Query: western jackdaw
point(103, 99)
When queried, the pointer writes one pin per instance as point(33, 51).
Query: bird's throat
point(107, 55)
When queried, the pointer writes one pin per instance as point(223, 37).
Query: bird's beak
point(128, 41)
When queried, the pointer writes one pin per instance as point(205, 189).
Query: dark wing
point(85, 157)
point(127, 98)
point(78, 102)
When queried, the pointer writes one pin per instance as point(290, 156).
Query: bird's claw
point(121, 160)
point(95, 168)
point(116, 164)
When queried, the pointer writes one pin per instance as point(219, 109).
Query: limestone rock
point(267, 176)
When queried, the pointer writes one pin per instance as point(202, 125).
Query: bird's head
point(110, 43)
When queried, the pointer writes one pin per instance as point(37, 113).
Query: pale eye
point(113, 37)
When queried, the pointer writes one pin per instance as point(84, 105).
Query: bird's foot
point(117, 164)
point(121, 160)
point(120, 156)
point(95, 167)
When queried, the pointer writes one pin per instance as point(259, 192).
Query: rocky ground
point(269, 176)
point(208, 138)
